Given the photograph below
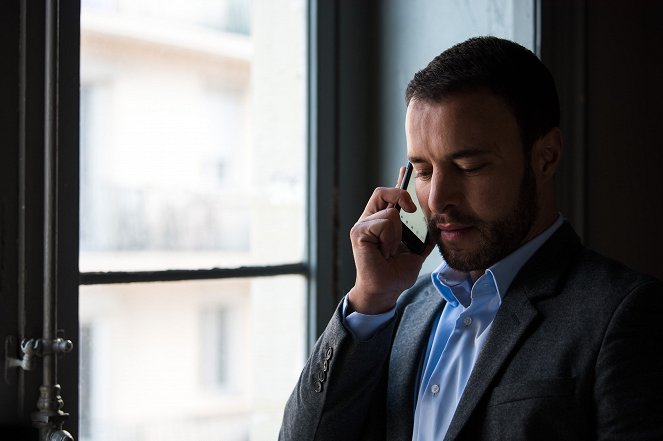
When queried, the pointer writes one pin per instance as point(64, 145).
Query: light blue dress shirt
point(457, 336)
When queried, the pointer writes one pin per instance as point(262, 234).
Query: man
point(521, 333)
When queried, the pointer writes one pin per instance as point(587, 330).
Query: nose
point(445, 192)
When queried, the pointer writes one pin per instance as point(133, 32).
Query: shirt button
point(435, 389)
point(467, 321)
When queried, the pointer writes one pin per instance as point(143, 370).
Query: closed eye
point(423, 175)
point(471, 169)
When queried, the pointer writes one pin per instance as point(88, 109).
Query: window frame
point(332, 196)
point(319, 180)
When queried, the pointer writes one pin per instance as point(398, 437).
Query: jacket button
point(318, 387)
point(329, 353)
point(322, 376)
point(325, 365)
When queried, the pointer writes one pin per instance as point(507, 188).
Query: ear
point(547, 154)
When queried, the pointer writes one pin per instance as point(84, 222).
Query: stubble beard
point(497, 239)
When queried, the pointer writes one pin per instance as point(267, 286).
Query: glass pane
point(192, 133)
point(200, 360)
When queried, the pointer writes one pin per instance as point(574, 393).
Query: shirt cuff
point(364, 326)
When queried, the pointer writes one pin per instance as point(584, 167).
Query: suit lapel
point(409, 345)
point(539, 278)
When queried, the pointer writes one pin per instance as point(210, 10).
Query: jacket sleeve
point(337, 388)
point(628, 391)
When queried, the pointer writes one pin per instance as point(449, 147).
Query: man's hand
point(385, 267)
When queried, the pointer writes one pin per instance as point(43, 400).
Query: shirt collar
point(452, 284)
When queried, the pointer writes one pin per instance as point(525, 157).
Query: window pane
point(201, 361)
point(192, 133)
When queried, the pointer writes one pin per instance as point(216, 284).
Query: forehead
point(468, 120)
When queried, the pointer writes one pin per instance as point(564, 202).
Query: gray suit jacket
point(574, 353)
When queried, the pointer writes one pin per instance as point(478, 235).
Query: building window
point(223, 340)
point(223, 352)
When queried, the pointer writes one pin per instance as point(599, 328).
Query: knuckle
point(378, 192)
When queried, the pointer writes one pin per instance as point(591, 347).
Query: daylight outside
point(193, 153)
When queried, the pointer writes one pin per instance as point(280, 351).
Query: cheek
point(484, 202)
point(491, 199)
point(423, 190)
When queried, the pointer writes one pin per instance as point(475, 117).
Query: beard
point(497, 239)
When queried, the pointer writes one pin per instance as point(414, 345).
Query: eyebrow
point(469, 153)
point(460, 154)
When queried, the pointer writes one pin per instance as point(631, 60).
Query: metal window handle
point(55, 346)
point(50, 417)
point(25, 361)
point(59, 435)
point(31, 348)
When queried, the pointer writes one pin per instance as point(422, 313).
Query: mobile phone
point(415, 227)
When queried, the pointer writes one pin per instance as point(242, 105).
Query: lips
point(451, 232)
point(451, 226)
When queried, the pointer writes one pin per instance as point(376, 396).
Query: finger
point(384, 229)
point(396, 245)
point(401, 174)
point(378, 234)
point(386, 197)
point(408, 204)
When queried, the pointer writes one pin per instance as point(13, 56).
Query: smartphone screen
point(415, 228)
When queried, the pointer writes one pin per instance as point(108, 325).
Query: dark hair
point(505, 68)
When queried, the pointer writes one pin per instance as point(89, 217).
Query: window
point(218, 334)
point(193, 141)
point(186, 214)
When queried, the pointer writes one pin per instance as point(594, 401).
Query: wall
point(607, 62)
point(624, 96)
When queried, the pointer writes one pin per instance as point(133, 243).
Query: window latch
point(31, 348)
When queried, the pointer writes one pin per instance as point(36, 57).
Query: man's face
point(473, 181)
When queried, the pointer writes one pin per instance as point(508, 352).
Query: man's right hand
point(385, 267)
